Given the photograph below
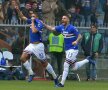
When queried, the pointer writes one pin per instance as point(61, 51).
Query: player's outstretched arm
point(20, 13)
point(49, 27)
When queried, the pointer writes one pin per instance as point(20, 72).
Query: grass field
point(49, 85)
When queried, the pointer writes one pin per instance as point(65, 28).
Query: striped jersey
point(70, 34)
point(35, 37)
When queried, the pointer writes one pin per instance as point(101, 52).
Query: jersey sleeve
point(38, 24)
point(75, 31)
point(58, 28)
point(28, 21)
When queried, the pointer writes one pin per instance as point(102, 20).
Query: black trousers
point(57, 57)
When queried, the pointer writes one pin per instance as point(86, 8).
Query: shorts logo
point(70, 55)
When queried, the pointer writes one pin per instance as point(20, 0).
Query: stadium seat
point(8, 55)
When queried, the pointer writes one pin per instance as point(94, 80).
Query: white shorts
point(71, 55)
point(37, 50)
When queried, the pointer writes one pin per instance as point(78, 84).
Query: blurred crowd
point(81, 11)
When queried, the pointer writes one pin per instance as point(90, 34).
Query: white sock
point(79, 64)
point(65, 73)
point(51, 71)
point(28, 67)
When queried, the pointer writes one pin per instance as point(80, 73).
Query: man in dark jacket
point(92, 44)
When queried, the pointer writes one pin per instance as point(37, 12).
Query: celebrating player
point(36, 46)
point(71, 40)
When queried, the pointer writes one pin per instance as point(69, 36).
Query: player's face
point(65, 20)
point(33, 15)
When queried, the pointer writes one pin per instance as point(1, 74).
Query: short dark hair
point(31, 10)
point(95, 25)
point(67, 15)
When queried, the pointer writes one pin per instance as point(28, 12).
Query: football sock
point(79, 64)
point(51, 71)
point(28, 67)
point(65, 72)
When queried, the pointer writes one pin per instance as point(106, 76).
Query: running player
point(71, 40)
point(36, 46)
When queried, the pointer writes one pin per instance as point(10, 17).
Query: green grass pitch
point(49, 85)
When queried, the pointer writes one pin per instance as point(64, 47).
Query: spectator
point(1, 14)
point(56, 47)
point(5, 6)
point(37, 8)
point(95, 5)
point(75, 17)
point(92, 44)
point(105, 9)
point(94, 17)
point(25, 10)
point(86, 11)
point(22, 4)
point(61, 10)
point(40, 8)
point(48, 8)
point(12, 15)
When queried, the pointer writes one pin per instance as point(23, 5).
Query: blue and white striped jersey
point(70, 34)
point(35, 37)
